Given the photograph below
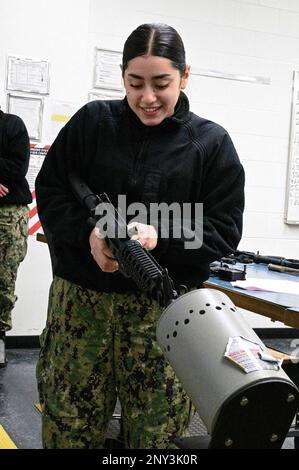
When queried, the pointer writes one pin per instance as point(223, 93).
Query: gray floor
point(18, 395)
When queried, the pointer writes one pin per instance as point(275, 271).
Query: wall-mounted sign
point(28, 75)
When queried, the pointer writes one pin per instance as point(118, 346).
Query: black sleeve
point(59, 211)
point(222, 198)
point(15, 160)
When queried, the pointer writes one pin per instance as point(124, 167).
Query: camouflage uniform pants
point(95, 347)
point(13, 247)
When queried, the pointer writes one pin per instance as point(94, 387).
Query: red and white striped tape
point(34, 222)
point(37, 155)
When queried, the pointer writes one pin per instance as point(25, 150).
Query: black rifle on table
point(134, 261)
point(275, 263)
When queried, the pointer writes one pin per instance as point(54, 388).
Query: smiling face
point(153, 86)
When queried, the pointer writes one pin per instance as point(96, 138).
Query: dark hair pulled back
point(155, 39)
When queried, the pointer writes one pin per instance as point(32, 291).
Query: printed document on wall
point(28, 75)
point(107, 71)
point(30, 110)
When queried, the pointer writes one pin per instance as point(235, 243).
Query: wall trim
point(22, 342)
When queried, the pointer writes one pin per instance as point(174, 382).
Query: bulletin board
point(292, 187)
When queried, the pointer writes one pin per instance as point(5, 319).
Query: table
point(275, 305)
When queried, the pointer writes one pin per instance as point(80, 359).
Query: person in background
point(14, 212)
point(100, 338)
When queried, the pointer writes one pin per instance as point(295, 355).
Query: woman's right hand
point(102, 254)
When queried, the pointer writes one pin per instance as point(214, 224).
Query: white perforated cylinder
point(193, 333)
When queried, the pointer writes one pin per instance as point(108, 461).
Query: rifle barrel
point(282, 269)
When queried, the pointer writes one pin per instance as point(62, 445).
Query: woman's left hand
point(146, 235)
point(3, 190)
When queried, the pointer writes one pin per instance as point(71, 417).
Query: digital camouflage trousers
point(13, 247)
point(97, 347)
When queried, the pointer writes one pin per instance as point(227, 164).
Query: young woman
point(99, 341)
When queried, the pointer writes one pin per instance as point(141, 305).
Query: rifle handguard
point(140, 266)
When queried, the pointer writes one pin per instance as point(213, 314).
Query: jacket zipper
point(139, 158)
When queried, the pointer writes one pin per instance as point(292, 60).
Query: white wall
point(254, 37)
point(55, 31)
point(32, 288)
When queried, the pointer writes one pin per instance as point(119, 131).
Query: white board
point(292, 187)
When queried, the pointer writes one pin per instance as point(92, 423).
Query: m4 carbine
point(134, 261)
point(249, 257)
